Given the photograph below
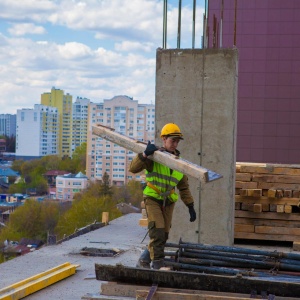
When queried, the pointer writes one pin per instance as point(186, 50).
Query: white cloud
point(74, 50)
point(122, 62)
point(134, 46)
point(26, 28)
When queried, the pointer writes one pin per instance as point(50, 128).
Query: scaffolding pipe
point(274, 254)
point(179, 24)
point(194, 24)
point(165, 21)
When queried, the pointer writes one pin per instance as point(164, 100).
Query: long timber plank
point(266, 215)
point(266, 236)
point(163, 157)
point(37, 282)
point(263, 222)
point(199, 281)
point(266, 200)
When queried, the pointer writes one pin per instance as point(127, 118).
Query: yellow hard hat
point(171, 129)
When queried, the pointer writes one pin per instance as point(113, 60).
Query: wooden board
point(261, 200)
point(174, 279)
point(266, 215)
point(266, 237)
point(118, 289)
point(163, 157)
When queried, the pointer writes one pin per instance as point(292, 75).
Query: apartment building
point(8, 124)
point(128, 117)
point(37, 132)
point(79, 122)
point(69, 184)
point(63, 103)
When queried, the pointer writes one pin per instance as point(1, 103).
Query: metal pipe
point(198, 253)
point(194, 24)
point(179, 25)
point(274, 254)
point(209, 270)
point(235, 15)
point(165, 21)
point(254, 263)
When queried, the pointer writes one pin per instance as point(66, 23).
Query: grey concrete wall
point(197, 90)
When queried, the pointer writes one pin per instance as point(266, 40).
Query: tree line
point(35, 220)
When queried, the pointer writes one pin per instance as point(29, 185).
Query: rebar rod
point(165, 22)
point(179, 25)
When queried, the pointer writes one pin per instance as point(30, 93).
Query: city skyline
point(90, 49)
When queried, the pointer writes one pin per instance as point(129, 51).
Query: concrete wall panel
point(197, 90)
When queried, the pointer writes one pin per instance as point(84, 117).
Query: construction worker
point(160, 195)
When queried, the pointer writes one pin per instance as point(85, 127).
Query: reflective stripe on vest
point(163, 180)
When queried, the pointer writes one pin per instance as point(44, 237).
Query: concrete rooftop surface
point(123, 233)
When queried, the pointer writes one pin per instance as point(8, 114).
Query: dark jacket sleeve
point(140, 163)
point(184, 191)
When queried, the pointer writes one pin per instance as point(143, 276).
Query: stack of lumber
point(267, 201)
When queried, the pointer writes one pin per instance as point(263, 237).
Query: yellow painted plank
point(37, 282)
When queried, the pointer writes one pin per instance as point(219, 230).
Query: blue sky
point(95, 49)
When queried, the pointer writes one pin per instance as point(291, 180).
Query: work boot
point(157, 264)
point(144, 260)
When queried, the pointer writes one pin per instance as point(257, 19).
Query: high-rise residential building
point(63, 103)
point(8, 124)
point(128, 117)
point(267, 36)
point(37, 132)
point(79, 122)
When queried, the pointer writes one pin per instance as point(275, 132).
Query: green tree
point(17, 165)
point(31, 220)
point(105, 186)
point(19, 187)
point(79, 158)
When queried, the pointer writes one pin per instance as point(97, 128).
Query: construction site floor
point(122, 234)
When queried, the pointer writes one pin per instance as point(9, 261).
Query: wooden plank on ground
point(288, 209)
point(277, 230)
point(141, 295)
point(198, 281)
point(261, 200)
point(243, 176)
point(266, 237)
point(243, 228)
point(276, 178)
point(264, 222)
point(278, 185)
point(266, 215)
point(143, 222)
point(257, 208)
point(246, 185)
point(119, 289)
point(270, 169)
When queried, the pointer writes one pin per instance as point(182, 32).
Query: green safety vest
point(163, 180)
